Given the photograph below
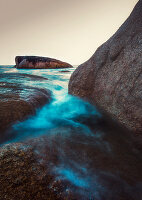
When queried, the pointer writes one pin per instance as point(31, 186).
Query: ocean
point(99, 161)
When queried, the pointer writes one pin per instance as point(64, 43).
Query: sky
point(68, 30)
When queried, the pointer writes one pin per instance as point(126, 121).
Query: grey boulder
point(112, 78)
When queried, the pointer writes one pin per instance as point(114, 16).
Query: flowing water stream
point(100, 161)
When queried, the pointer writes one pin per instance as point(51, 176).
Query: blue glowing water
point(62, 111)
point(100, 162)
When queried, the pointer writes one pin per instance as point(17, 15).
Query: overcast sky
point(69, 30)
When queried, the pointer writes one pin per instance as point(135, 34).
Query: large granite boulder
point(36, 62)
point(112, 77)
point(17, 100)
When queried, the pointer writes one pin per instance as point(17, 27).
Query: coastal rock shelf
point(54, 167)
point(22, 176)
point(36, 62)
point(112, 77)
point(17, 101)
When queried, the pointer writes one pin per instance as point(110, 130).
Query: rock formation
point(112, 77)
point(26, 172)
point(22, 176)
point(43, 168)
point(17, 100)
point(36, 62)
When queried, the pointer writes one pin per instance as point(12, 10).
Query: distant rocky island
point(38, 62)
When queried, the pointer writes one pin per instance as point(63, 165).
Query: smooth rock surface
point(112, 77)
point(36, 62)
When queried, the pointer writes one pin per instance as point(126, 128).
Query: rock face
point(112, 77)
point(17, 100)
point(36, 62)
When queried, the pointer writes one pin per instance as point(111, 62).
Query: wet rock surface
point(64, 71)
point(36, 62)
point(112, 77)
point(68, 164)
point(21, 176)
point(19, 100)
point(26, 172)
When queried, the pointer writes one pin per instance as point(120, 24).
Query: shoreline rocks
point(112, 78)
point(39, 168)
point(37, 62)
point(18, 101)
point(26, 172)
point(22, 176)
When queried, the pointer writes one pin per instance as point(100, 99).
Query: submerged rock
point(17, 101)
point(36, 62)
point(64, 71)
point(112, 77)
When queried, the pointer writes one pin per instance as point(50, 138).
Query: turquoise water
point(97, 160)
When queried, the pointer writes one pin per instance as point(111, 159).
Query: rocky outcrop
point(36, 62)
point(76, 167)
point(17, 101)
point(22, 176)
point(112, 77)
point(26, 172)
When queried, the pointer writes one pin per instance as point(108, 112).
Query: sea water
point(99, 161)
